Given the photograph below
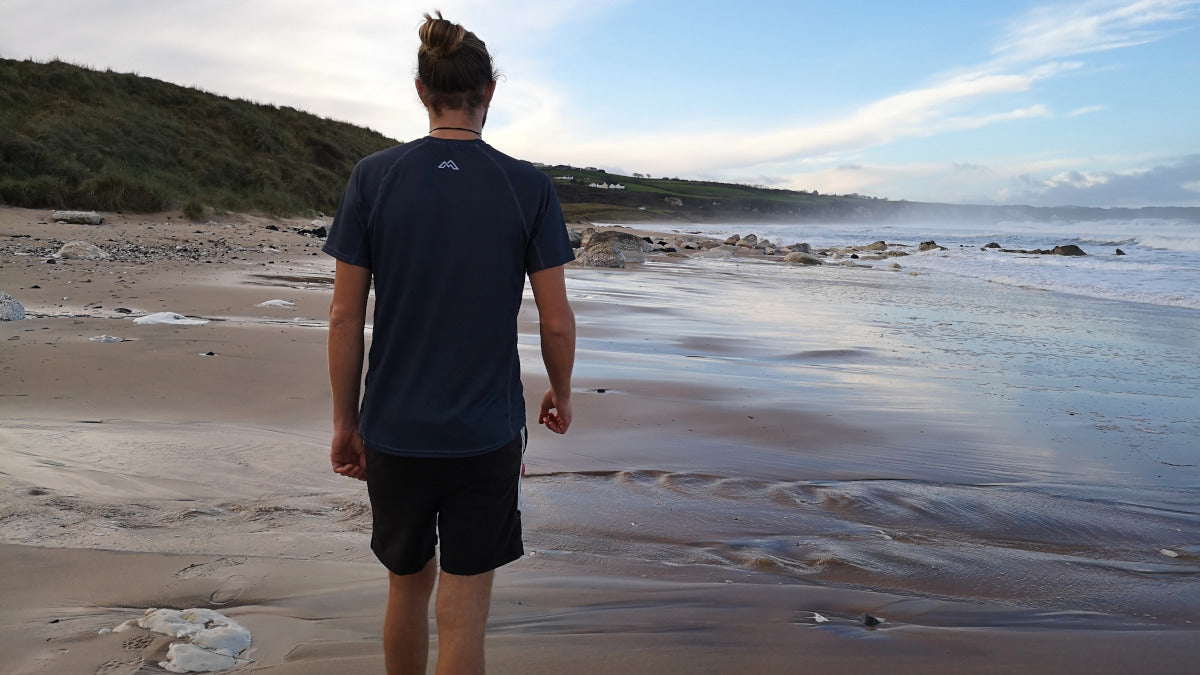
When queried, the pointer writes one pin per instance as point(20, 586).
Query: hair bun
point(439, 37)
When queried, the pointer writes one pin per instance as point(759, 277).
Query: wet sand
point(993, 471)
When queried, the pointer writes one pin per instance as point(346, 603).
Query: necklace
point(477, 133)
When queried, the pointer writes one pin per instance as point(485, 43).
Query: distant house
point(606, 186)
point(564, 178)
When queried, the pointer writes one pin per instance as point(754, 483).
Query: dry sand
point(743, 469)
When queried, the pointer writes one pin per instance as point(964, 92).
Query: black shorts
point(471, 502)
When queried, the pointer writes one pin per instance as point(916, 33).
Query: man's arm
point(347, 317)
point(557, 326)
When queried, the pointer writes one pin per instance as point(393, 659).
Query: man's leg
point(406, 624)
point(462, 611)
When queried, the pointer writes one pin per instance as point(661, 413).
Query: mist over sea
point(1161, 265)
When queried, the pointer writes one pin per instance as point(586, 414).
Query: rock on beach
point(77, 217)
point(631, 246)
point(10, 309)
point(603, 254)
point(803, 258)
point(81, 250)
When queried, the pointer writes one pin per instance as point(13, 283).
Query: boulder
point(992, 245)
point(1120, 252)
point(1069, 249)
point(748, 241)
point(585, 237)
point(575, 236)
point(733, 240)
point(603, 254)
point(81, 250)
point(77, 217)
point(10, 309)
point(803, 258)
point(801, 248)
point(877, 246)
point(632, 246)
point(929, 246)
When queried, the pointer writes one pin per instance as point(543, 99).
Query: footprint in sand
point(230, 590)
point(128, 666)
point(204, 569)
point(140, 642)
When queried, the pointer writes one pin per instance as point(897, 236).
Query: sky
point(1089, 103)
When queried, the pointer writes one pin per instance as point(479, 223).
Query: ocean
point(1161, 265)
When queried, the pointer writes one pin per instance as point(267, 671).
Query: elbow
point(340, 318)
point(558, 327)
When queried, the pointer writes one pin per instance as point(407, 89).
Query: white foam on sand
point(169, 318)
point(210, 640)
point(276, 303)
point(107, 339)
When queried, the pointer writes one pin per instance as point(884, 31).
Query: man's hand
point(559, 420)
point(348, 455)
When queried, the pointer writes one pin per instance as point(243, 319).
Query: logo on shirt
point(448, 164)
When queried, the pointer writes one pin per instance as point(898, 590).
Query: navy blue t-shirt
point(449, 229)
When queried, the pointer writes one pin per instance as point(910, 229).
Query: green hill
point(79, 138)
point(71, 137)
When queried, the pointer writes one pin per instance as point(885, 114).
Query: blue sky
point(1051, 103)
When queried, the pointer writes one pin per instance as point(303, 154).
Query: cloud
point(1087, 110)
point(1063, 30)
point(1176, 182)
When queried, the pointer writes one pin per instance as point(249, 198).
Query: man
point(447, 228)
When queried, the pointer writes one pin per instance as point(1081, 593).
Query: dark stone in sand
point(992, 245)
point(319, 232)
point(1120, 252)
point(123, 310)
point(35, 286)
point(870, 621)
point(51, 261)
point(669, 249)
point(854, 255)
point(601, 391)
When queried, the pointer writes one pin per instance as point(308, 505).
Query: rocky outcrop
point(732, 241)
point(748, 241)
point(1069, 249)
point(585, 237)
point(575, 236)
point(631, 246)
point(801, 248)
point(877, 246)
point(930, 246)
point(603, 254)
point(81, 250)
point(10, 309)
point(77, 217)
point(803, 258)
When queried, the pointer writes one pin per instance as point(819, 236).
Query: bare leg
point(406, 624)
point(462, 611)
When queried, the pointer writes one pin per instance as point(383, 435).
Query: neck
point(456, 124)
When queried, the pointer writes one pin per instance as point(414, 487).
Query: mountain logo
point(448, 164)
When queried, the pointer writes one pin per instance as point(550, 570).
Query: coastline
point(772, 441)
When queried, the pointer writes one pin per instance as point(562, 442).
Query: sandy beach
point(762, 454)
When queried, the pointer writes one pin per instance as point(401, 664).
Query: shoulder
point(380, 162)
point(519, 171)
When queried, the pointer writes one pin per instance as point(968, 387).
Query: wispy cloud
point(1041, 44)
point(1073, 29)
point(1087, 110)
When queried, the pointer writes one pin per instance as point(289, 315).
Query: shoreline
point(967, 451)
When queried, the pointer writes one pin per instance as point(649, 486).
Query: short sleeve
point(549, 245)
point(348, 240)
